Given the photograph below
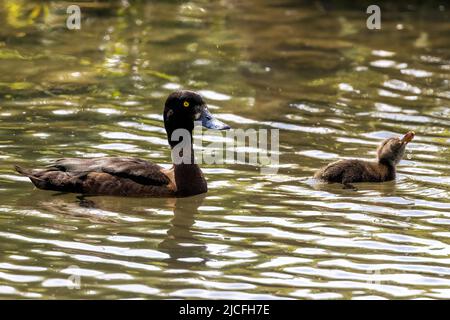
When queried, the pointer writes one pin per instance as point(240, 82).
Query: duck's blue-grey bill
point(208, 121)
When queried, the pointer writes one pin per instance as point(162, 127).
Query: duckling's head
point(391, 150)
point(185, 107)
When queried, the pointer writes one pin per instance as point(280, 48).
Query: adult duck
point(389, 154)
point(127, 176)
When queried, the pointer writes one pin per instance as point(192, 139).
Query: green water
point(334, 89)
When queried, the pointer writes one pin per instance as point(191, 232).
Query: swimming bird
point(129, 176)
point(389, 154)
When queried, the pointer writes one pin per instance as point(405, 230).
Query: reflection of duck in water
point(180, 239)
point(126, 176)
point(389, 154)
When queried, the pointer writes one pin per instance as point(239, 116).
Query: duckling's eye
point(186, 104)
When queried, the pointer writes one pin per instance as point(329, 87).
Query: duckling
point(389, 154)
point(128, 176)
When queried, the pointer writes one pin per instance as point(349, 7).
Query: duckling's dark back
point(349, 171)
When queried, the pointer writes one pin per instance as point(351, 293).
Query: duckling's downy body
point(389, 154)
point(127, 176)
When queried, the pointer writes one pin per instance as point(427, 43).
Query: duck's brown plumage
point(389, 154)
point(127, 176)
point(123, 176)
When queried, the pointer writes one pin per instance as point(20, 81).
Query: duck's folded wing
point(140, 171)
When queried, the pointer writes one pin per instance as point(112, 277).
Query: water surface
point(334, 89)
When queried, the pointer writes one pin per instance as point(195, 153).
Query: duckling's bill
point(408, 137)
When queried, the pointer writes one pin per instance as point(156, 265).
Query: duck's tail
point(23, 171)
point(32, 175)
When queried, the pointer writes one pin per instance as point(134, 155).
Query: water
point(332, 87)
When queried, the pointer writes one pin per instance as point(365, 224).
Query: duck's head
point(391, 150)
point(185, 107)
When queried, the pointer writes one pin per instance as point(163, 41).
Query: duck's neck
point(390, 169)
point(189, 177)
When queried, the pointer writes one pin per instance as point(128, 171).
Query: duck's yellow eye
point(186, 104)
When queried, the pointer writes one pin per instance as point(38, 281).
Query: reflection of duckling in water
point(389, 154)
